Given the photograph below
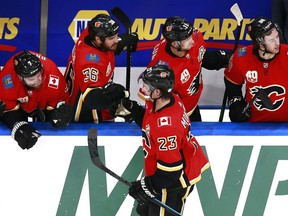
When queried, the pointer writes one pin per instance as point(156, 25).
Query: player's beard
point(104, 47)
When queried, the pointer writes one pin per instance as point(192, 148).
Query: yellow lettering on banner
point(144, 30)
point(201, 24)
point(149, 29)
point(10, 24)
point(227, 31)
point(213, 30)
point(246, 22)
point(228, 28)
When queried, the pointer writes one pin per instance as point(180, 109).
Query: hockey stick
point(235, 10)
point(93, 150)
point(124, 19)
point(261, 95)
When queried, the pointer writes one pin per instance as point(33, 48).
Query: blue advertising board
point(19, 27)
point(213, 18)
point(20, 24)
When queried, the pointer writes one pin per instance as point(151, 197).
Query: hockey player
point(262, 65)
point(184, 50)
point(32, 86)
point(90, 69)
point(174, 160)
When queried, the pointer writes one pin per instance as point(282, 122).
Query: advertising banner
point(248, 173)
point(19, 27)
point(212, 18)
point(20, 24)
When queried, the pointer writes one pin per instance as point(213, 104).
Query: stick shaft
point(238, 15)
point(125, 21)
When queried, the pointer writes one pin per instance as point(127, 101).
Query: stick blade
point(122, 17)
point(92, 143)
point(235, 10)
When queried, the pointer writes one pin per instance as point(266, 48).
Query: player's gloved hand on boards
point(125, 40)
point(123, 109)
point(143, 190)
point(61, 116)
point(224, 57)
point(2, 107)
point(236, 110)
point(115, 92)
point(24, 134)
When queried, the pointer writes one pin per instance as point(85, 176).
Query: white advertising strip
point(248, 175)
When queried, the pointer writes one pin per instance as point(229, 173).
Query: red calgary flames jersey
point(87, 67)
point(245, 67)
point(169, 145)
point(188, 77)
point(13, 92)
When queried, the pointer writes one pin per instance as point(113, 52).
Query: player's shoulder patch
point(92, 57)
point(7, 81)
point(161, 62)
point(242, 51)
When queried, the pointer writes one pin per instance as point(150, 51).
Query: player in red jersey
point(262, 65)
point(90, 69)
point(174, 160)
point(184, 50)
point(32, 86)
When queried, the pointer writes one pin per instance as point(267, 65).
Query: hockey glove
point(215, 60)
point(223, 58)
point(127, 40)
point(236, 110)
point(124, 109)
point(143, 190)
point(2, 107)
point(103, 98)
point(61, 116)
point(25, 135)
point(114, 92)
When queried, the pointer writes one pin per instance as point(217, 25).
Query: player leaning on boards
point(32, 86)
point(174, 160)
point(184, 50)
point(262, 65)
point(90, 69)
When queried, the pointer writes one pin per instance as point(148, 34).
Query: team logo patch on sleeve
point(165, 120)
point(92, 57)
point(160, 62)
point(53, 81)
point(242, 51)
point(7, 81)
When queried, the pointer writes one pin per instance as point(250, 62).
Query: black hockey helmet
point(176, 29)
point(260, 27)
point(103, 26)
point(27, 64)
point(159, 76)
